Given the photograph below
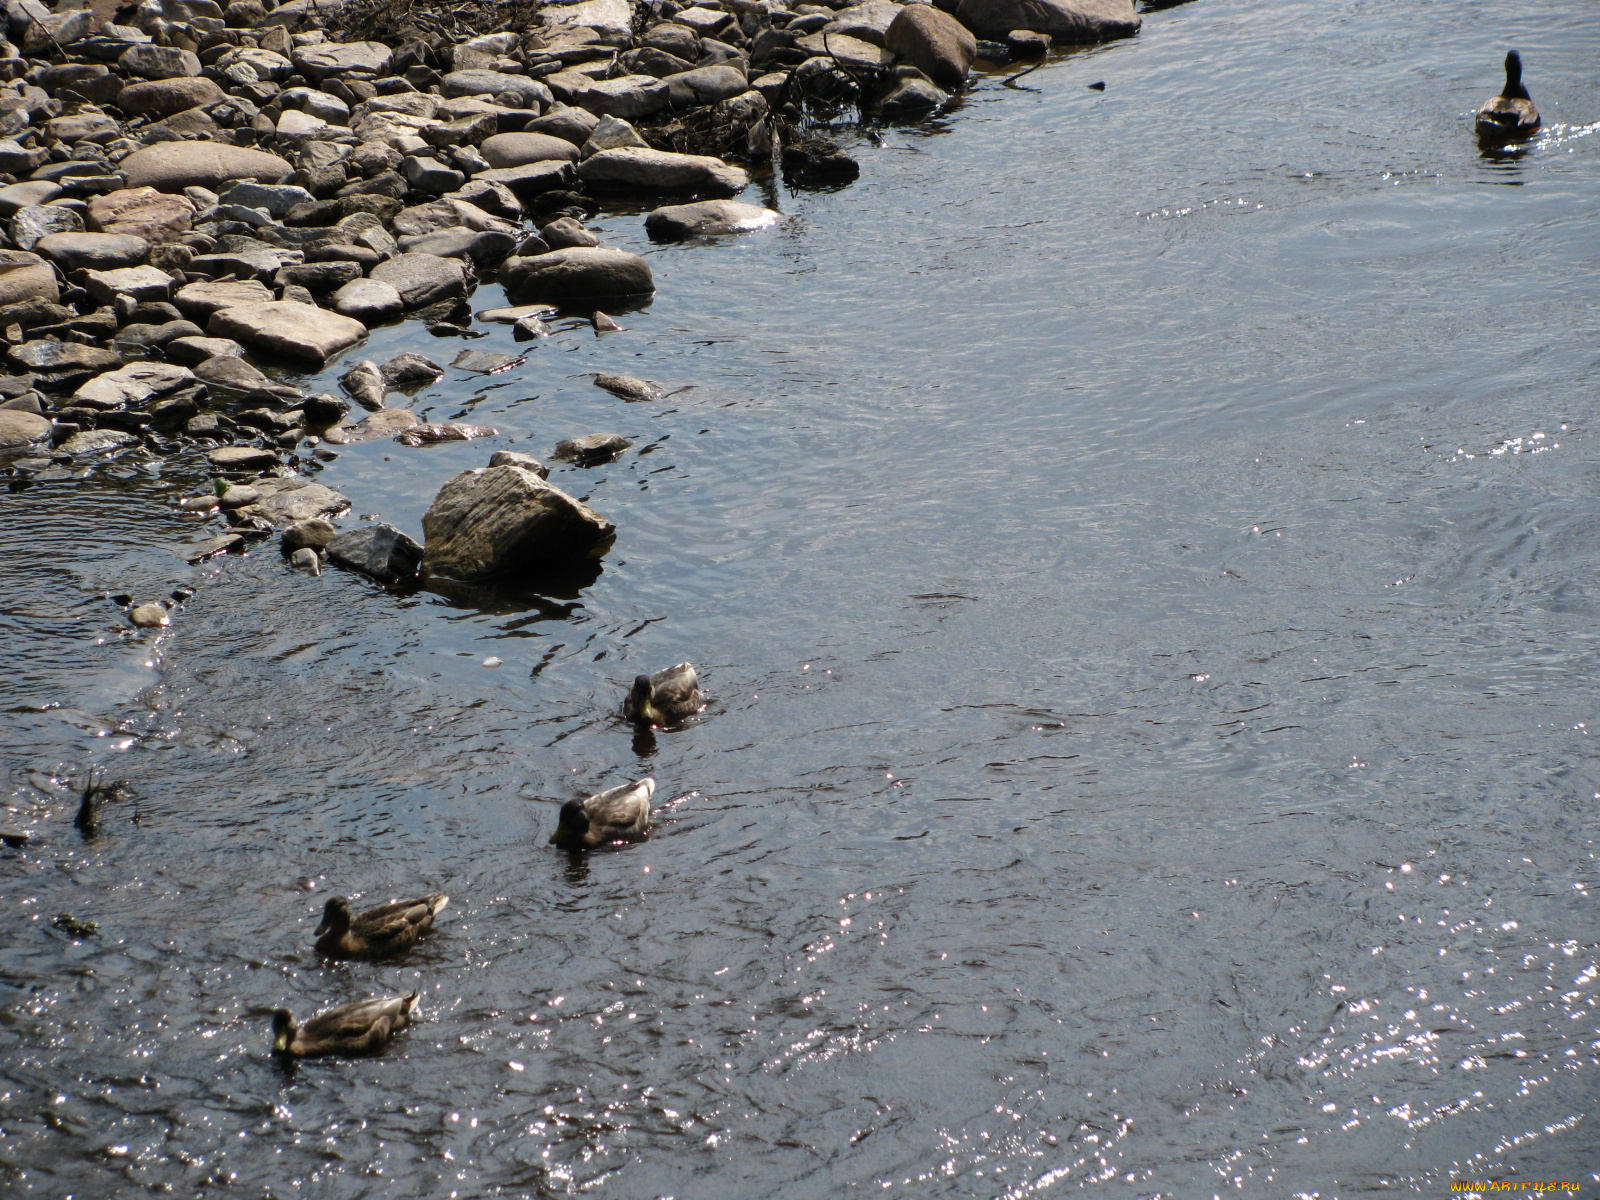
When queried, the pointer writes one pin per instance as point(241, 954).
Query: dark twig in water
point(95, 792)
point(1011, 80)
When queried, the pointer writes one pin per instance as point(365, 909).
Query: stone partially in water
point(933, 41)
point(242, 458)
point(381, 551)
point(364, 383)
point(506, 520)
point(149, 616)
point(592, 449)
point(21, 428)
point(315, 533)
point(432, 435)
point(708, 218)
point(628, 387)
point(305, 559)
point(515, 458)
point(485, 362)
point(581, 273)
point(95, 441)
point(661, 170)
point(410, 369)
point(290, 499)
point(385, 424)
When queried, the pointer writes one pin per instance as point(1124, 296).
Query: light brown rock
point(163, 97)
point(173, 166)
point(506, 521)
point(934, 42)
point(26, 276)
point(286, 327)
point(142, 212)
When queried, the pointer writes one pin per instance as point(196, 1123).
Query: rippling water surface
point(1142, 549)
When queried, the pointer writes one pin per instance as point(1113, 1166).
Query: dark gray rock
point(581, 273)
point(381, 551)
point(507, 520)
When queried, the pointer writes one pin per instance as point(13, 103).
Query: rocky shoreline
point(191, 192)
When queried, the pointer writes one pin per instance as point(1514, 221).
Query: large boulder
point(520, 149)
point(173, 166)
point(935, 42)
point(164, 97)
point(661, 170)
point(581, 273)
point(506, 521)
point(1073, 21)
point(422, 279)
point(287, 327)
point(142, 212)
point(25, 276)
point(708, 218)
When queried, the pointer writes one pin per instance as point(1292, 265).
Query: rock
point(506, 520)
point(531, 179)
point(581, 273)
point(370, 301)
point(911, 96)
point(432, 435)
point(16, 196)
point(386, 423)
point(190, 123)
point(320, 277)
point(1025, 43)
point(291, 499)
point(708, 218)
point(49, 355)
point(364, 383)
point(149, 616)
point(194, 350)
point(276, 198)
point(21, 428)
point(230, 372)
point(26, 276)
point(612, 133)
point(158, 62)
point(285, 327)
point(448, 214)
point(422, 279)
point(238, 495)
point(322, 59)
point(305, 559)
point(520, 149)
point(322, 409)
point(132, 384)
point(574, 125)
point(164, 97)
point(200, 300)
point(93, 251)
point(241, 458)
point(705, 85)
point(38, 221)
point(934, 42)
point(628, 387)
point(137, 283)
point(869, 22)
point(814, 161)
point(485, 362)
point(661, 170)
point(95, 441)
point(604, 16)
point(852, 52)
point(314, 534)
point(173, 166)
point(17, 159)
point(1072, 21)
point(592, 449)
point(565, 234)
point(530, 92)
point(410, 369)
point(630, 96)
point(520, 312)
point(515, 458)
point(142, 212)
point(489, 246)
point(469, 130)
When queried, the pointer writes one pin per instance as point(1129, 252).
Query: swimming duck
point(365, 1027)
point(380, 932)
point(667, 696)
point(1511, 114)
point(618, 814)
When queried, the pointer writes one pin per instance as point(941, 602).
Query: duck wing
point(621, 812)
point(359, 1028)
point(676, 690)
point(398, 924)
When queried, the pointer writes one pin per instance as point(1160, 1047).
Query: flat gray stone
point(708, 218)
point(422, 279)
point(132, 384)
point(93, 251)
point(580, 273)
point(285, 327)
point(22, 428)
point(368, 301)
point(661, 170)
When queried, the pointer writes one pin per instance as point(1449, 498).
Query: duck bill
point(280, 1043)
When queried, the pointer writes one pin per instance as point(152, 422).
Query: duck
point(619, 814)
point(364, 1027)
point(380, 932)
point(668, 695)
point(1511, 114)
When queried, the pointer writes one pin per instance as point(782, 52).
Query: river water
point(1140, 547)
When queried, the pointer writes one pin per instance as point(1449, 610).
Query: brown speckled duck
point(380, 932)
point(365, 1027)
point(1511, 114)
point(667, 696)
point(619, 814)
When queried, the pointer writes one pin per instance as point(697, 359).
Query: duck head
point(572, 826)
point(641, 700)
point(335, 917)
point(1514, 89)
point(283, 1030)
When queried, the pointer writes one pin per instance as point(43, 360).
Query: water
point(1140, 547)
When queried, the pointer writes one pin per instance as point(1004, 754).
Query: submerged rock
point(504, 520)
point(708, 218)
point(581, 273)
point(628, 387)
point(592, 449)
point(432, 435)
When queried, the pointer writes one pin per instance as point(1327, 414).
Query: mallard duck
point(618, 814)
point(380, 932)
point(664, 697)
point(1511, 114)
point(365, 1027)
